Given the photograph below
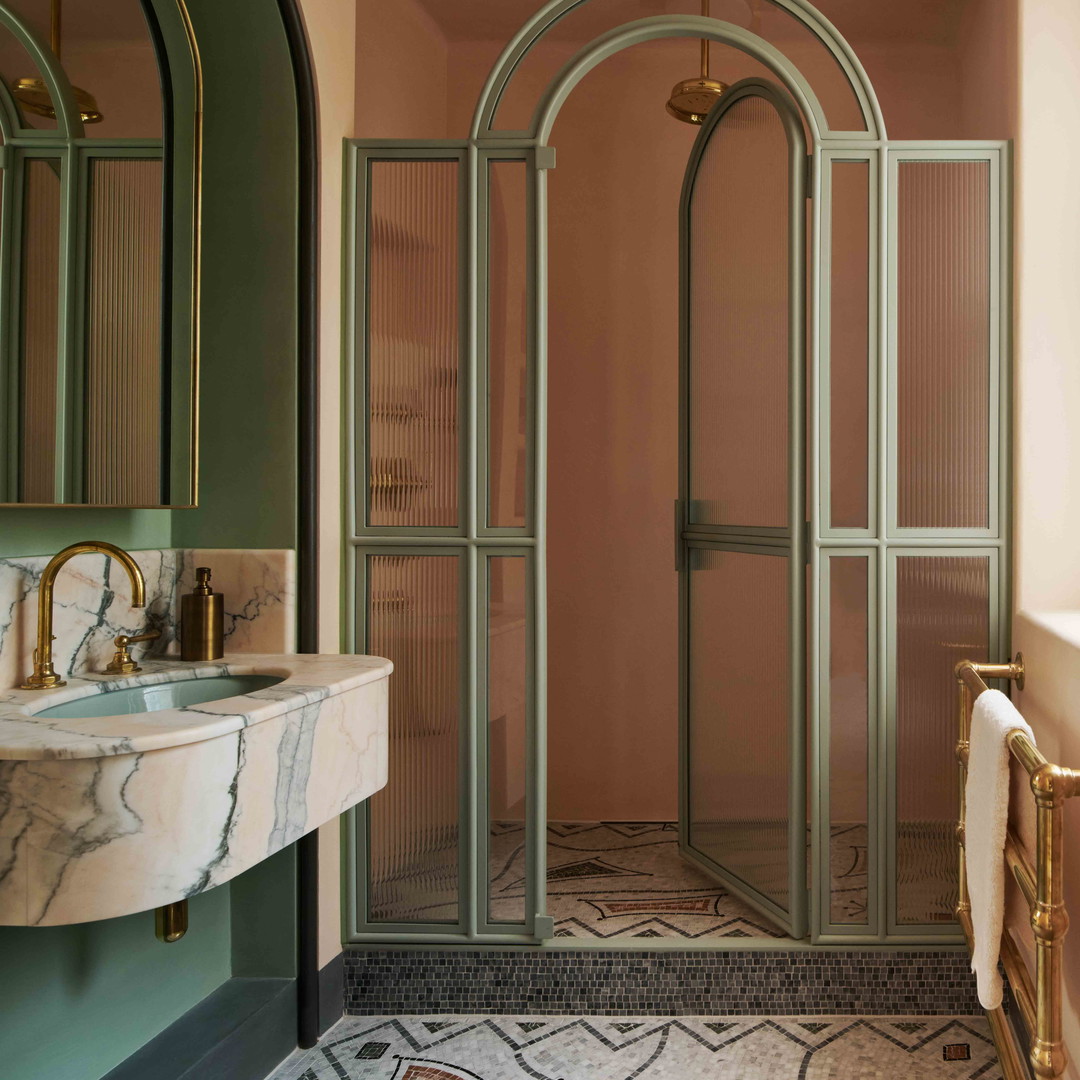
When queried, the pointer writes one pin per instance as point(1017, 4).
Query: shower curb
point(380, 982)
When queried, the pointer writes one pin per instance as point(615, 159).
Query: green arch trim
point(697, 26)
point(69, 123)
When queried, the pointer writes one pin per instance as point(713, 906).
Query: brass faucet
point(44, 677)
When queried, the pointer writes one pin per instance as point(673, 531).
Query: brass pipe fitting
point(171, 922)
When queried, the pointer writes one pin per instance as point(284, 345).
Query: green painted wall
point(76, 1001)
point(39, 532)
point(247, 481)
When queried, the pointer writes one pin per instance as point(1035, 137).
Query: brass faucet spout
point(44, 677)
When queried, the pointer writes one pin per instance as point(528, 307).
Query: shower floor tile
point(618, 879)
point(652, 1048)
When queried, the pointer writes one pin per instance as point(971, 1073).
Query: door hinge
point(545, 157)
point(543, 927)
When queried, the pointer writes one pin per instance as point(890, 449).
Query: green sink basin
point(172, 695)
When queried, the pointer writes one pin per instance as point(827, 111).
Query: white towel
point(987, 794)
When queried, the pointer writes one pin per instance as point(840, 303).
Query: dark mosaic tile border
point(669, 983)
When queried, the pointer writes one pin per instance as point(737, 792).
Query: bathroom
point(523, 881)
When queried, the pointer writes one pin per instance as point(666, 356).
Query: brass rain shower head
point(32, 93)
point(33, 96)
point(692, 99)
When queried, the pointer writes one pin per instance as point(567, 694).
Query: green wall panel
point(76, 1001)
point(247, 478)
point(42, 532)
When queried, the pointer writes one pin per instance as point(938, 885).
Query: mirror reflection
point(96, 242)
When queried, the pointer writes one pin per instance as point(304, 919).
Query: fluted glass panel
point(739, 322)
point(414, 620)
point(739, 722)
point(507, 344)
point(40, 328)
point(123, 333)
point(849, 345)
point(943, 616)
point(507, 697)
point(413, 343)
point(943, 344)
point(848, 738)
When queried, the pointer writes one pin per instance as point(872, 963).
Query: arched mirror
point(98, 239)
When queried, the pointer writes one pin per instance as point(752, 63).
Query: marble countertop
point(308, 679)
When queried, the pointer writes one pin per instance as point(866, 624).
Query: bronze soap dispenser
point(202, 620)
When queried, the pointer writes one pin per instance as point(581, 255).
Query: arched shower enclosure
point(841, 527)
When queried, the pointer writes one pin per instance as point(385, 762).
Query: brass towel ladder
point(1039, 1005)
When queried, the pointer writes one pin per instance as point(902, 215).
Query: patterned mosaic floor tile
point(652, 1048)
point(628, 879)
point(621, 879)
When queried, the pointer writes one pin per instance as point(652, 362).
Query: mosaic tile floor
point(653, 1048)
point(627, 879)
point(620, 879)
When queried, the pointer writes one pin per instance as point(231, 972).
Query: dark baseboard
point(242, 1031)
point(331, 993)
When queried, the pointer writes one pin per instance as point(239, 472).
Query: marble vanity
point(106, 815)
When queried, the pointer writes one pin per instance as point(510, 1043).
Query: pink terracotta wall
point(613, 350)
point(401, 65)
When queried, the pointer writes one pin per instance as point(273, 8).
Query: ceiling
point(860, 21)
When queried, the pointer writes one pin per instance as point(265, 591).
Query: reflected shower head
point(692, 99)
point(33, 95)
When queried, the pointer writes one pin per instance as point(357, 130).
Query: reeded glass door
point(741, 510)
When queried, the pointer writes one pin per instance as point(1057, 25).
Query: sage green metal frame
point(474, 540)
point(68, 145)
point(788, 542)
point(882, 542)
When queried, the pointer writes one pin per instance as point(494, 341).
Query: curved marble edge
point(309, 678)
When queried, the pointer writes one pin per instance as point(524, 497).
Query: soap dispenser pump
point(202, 620)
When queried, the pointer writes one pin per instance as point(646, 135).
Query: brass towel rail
point(1038, 1002)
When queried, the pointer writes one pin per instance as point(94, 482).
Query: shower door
point(741, 512)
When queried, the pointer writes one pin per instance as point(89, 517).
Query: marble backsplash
point(92, 601)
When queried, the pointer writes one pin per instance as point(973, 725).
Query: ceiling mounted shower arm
point(692, 99)
point(705, 43)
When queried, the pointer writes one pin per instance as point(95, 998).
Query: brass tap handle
point(121, 663)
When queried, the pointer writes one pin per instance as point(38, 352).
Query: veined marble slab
point(108, 816)
point(92, 602)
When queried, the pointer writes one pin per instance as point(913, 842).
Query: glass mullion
point(945, 290)
point(847, 856)
point(415, 605)
point(411, 342)
point(507, 886)
point(40, 326)
point(943, 607)
point(506, 342)
point(847, 315)
point(738, 791)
